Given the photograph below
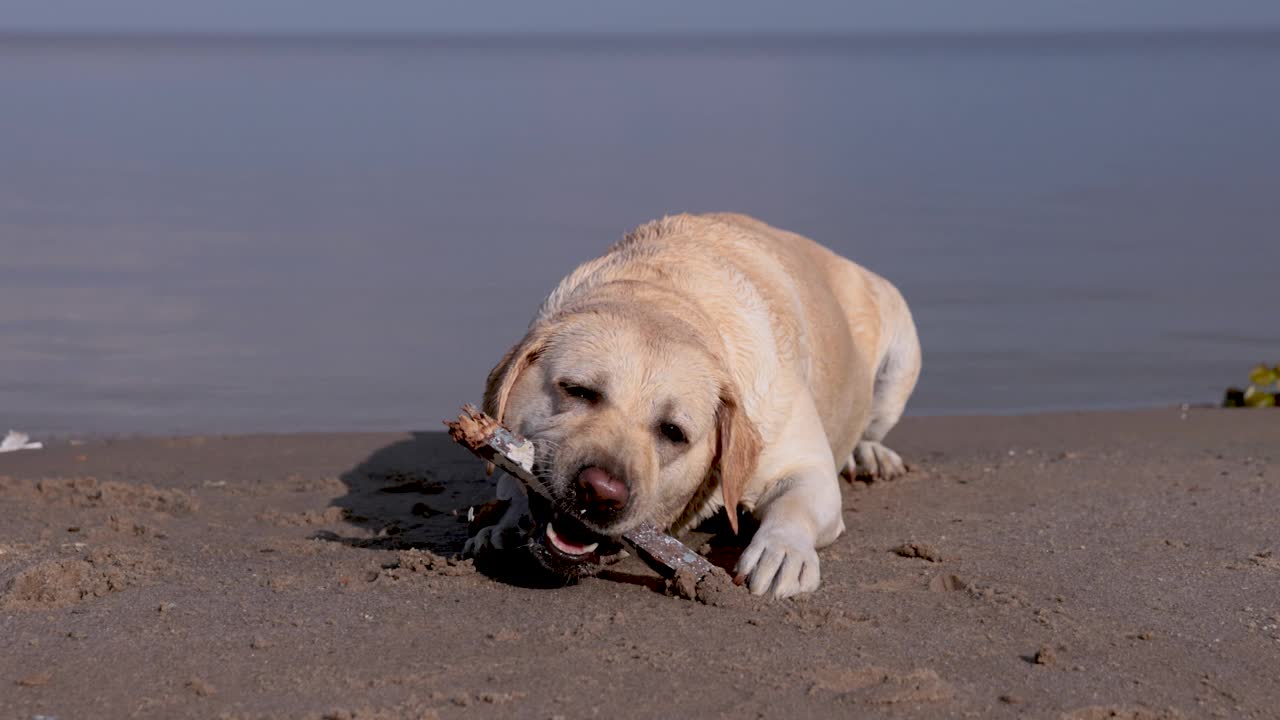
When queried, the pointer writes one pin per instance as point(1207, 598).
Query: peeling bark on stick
point(488, 440)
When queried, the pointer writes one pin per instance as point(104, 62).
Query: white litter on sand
point(18, 441)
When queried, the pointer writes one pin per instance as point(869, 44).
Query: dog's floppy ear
point(737, 452)
point(503, 376)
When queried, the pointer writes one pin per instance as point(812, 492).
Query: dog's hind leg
point(895, 379)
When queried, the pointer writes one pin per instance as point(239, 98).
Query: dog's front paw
point(507, 533)
point(480, 543)
point(781, 561)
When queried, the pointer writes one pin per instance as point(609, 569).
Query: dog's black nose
point(601, 490)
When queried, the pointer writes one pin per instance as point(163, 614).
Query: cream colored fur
point(783, 363)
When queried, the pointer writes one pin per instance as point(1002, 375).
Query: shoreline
point(62, 436)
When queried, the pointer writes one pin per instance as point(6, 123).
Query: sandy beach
point(1082, 565)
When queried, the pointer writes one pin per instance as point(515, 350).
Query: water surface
point(244, 235)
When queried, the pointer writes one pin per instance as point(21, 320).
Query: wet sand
point(1081, 565)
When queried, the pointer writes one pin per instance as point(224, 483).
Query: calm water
point(345, 235)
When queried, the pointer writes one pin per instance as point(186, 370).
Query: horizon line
point(1188, 33)
point(644, 43)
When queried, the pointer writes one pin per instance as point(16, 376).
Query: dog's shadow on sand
point(416, 493)
point(413, 493)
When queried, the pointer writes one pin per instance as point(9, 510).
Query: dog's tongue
point(568, 546)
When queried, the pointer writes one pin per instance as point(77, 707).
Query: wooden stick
point(490, 441)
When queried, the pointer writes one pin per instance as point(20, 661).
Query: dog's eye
point(574, 390)
point(672, 433)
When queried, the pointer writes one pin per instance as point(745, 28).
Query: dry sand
point(1071, 565)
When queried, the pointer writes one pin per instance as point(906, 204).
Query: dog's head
point(635, 418)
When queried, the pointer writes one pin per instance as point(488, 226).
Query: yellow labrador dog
point(703, 362)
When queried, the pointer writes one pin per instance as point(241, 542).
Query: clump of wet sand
point(64, 582)
point(716, 588)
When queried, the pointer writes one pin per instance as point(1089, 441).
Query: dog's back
point(782, 303)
